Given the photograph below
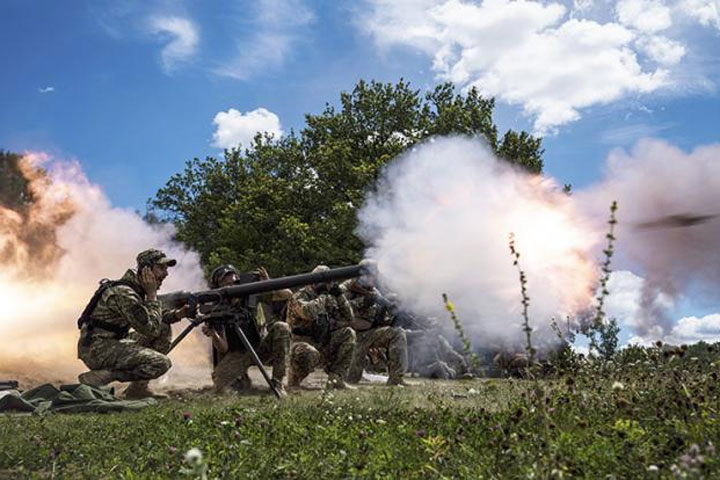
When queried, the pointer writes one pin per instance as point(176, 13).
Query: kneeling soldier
point(320, 319)
point(271, 341)
point(373, 330)
point(108, 346)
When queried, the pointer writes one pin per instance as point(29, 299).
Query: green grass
point(574, 426)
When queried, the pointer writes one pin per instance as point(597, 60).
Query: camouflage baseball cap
point(154, 256)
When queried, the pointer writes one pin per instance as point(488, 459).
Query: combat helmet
point(219, 272)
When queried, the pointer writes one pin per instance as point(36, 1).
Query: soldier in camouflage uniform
point(232, 360)
point(432, 356)
point(124, 331)
point(372, 326)
point(320, 319)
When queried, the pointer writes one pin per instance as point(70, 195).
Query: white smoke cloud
point(99, 241)
point(439, 223)
point(626, 303)
point(656, 184)
point(440, 219)
point(236, 128)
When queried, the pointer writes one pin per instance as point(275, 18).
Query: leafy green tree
point(14, 193)
point(291, 203)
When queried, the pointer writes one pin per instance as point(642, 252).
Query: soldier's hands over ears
point(148, 282)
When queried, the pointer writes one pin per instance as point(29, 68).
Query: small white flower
point(618, 386)
point(193, 456)
point(653, 468)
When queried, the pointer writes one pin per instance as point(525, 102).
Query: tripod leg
point(256, 360)
point(183, 334)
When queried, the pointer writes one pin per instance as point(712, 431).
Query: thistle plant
point(525, 300)
point(608, 332)
point(471, 356)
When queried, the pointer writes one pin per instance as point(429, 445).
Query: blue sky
point(133, 89)
point(132, 111)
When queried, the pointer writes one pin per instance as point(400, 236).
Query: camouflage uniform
point(371, 324)
point(433, 356)
point(274, 348)
point(322, 334)
point(141, 354)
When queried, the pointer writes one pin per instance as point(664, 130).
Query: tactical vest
point(319, 330)
point(92, 323)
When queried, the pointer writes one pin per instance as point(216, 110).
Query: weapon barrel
point(8, 384)
point(177, 299)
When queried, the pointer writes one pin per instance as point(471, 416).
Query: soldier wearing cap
point(124, 331)
point(230, 357)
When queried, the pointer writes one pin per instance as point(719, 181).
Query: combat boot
point(241, 383)
point(96, 378)
point(278, 384)
point(139, 389)
point(336, 382)
point(398, 381)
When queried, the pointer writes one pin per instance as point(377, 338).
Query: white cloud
point(235, 128)
point(623, 302)
point(649, 16)
point(279, 24)
point(46, 89)
point(553, 61)
point(663, 50)
point(629, 134)
point(707, 12)
point(184, 38)
point(687, 330)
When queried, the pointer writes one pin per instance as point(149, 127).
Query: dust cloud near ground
point(53, 252)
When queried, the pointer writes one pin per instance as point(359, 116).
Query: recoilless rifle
point(234, 306)
point(8, 385)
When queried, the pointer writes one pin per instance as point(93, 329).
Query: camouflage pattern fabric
point(390, 339)
point(306, 307)
point(139, 356)
point(322, 335)
point(367, 313)
point(273, 304)
point(373, 331)
point(336, 355)
point(274, 348)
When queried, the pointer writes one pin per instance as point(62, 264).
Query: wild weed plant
point(470, 355)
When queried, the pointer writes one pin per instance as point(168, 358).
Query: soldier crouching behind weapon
point(320, 317)
point(432, 356)
point(272, 341)
point(372, 325)
point(107, 346)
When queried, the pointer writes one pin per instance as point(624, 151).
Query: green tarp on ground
point(76, 398)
